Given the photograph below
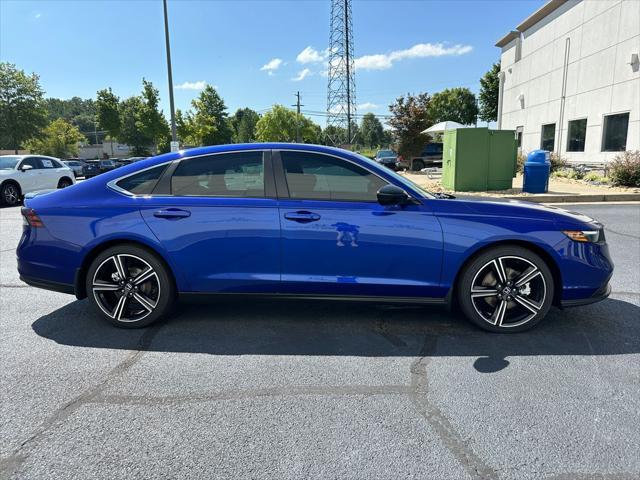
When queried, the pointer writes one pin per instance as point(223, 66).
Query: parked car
point(431, 155)
point(388, 158)
point(76, 165)
point(126, 161)
point(96, 167)
point(303, 221)
point(22, 174)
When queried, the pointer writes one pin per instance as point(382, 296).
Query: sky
point(256, 53)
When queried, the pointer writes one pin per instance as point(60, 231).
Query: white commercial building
point(570, 79)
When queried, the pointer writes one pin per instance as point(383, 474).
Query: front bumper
point(599, 295)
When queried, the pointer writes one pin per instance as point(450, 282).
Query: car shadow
point(610, 327)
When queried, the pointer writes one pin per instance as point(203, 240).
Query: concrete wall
point(599, 79)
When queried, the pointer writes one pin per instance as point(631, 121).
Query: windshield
point(8, 163)
point(399, 177)
point(386, 153)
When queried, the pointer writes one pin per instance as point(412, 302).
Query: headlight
point(585, 236)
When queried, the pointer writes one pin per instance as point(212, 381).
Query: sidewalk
point(560, 190)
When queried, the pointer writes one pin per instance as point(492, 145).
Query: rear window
point(142, 183)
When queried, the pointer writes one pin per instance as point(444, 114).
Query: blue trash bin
point(536, 172)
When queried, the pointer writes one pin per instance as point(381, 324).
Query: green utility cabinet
point(478, 159)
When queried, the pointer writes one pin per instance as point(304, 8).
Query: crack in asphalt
point(310, 390)
point(447, 433)
point(623, 234)
point(13, 462)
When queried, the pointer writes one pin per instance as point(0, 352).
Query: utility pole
point(297, 105)
point(347, 12)
point(170, 75)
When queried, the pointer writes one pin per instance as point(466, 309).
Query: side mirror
point(392, 195)
point(24, 168)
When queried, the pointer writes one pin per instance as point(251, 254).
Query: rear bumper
point(49, 285)
point(600, 294)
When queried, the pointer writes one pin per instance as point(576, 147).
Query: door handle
point(302, 216)
point(172, 213)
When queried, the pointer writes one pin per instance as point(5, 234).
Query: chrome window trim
point(112, 183)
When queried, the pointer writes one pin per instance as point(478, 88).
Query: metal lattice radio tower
point(341, 97)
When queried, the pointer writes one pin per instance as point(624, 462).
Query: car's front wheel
point(130, 287)
point(506, 289)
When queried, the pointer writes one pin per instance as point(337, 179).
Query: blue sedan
point(303, 221)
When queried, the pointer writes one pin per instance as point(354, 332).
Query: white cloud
point(272, 65)
point(366, 106)
point(199, 85)
point(311, 55)
point(382, 61)
point(302, 74)
point(38, 15)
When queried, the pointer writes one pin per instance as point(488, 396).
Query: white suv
point(22, 174)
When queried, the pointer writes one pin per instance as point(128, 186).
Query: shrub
point(595, 178)
point(561, 174)
point(520, 159)
point(624, 169)
point(557, 162)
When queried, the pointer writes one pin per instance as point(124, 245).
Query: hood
point(519, 209)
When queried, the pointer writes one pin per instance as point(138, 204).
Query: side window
point(314, 176)
point(33, 161)
point(142, 183)
point(225, 175)
point(49, 163)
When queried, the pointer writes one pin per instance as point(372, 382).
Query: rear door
point(52, 172)
point(218, 220)
point(338, 240)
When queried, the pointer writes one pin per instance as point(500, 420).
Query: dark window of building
point(614, 132)
point(142, 183)
point(225, 175)
point(314, 176)
point(519, 137)
point(577, 135)
point(548, 137)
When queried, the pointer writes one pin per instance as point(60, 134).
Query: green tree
point(77, 111)
point(208, 122)
point(454, 104)
point(488, 97)
point(280, 124)
point(131, 129)
point(59, 139)
point(23, 113)
point(152, 121)
point(410, 116)
point(243, 124)
point(184, 128)
point(371, 131)
point(108, 112)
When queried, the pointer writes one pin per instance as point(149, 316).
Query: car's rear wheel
point(130, 286)
point(506, 289)
point(417, 165)
point(10, 194)
point(64, 183)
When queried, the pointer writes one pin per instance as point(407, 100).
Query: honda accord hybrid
point(303, 221)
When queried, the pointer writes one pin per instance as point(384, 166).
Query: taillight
point(31, 218)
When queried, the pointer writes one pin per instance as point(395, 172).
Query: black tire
point(64, 182)
point(525, 304)
point(417, 165)
point(10, 194)
point(158, 291)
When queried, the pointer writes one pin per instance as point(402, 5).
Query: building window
point(577, 135)
point(614, 132)
point(548, 137)
point(519, 137)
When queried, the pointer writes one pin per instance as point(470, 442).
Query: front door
point(31, 179)
point(219, 225)
point(338, 240)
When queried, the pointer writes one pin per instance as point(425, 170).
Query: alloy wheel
point(508, 291)
point(126, 288)
point(11, 195)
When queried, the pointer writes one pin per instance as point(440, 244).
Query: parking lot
point(323, 390)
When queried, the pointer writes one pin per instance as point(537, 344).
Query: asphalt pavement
point(320, 390)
